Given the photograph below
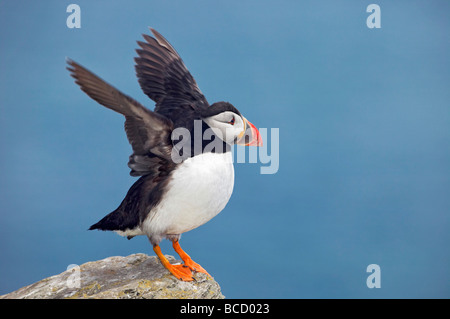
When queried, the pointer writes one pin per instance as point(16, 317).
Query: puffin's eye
point(232, 121)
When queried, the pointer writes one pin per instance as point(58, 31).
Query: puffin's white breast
point(198, 190)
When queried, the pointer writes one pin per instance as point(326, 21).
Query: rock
point(136, 276)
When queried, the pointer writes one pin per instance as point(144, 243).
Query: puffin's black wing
point(165, 79)
point(148, 132)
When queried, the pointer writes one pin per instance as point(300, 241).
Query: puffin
point(179, 187)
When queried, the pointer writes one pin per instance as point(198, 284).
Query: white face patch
point(227, 125)
point(225, 117)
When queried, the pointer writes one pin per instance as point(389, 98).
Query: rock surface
point(136, 276)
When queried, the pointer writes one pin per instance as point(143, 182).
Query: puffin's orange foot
point(179, 271)
point(195, 267)
point(188, 262)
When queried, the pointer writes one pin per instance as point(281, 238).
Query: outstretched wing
point(165, 79)
point(148, 132)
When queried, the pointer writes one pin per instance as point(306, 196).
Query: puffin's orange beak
point(250, 136)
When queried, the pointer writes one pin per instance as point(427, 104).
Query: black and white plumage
point(170, 197)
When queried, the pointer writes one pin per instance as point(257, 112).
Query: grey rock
point(136, 276)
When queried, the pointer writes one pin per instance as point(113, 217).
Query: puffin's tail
point(112, 222)
point(118, 220)
point(126, 216)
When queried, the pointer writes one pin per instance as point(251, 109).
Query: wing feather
point(165, 79)
point(148, 132)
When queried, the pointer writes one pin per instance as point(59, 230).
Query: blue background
point(364, 124)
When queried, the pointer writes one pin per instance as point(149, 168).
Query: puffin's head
point(228, 124)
